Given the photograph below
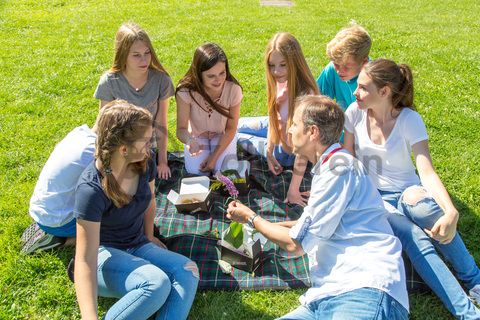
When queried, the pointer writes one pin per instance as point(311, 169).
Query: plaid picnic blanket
point(196, 235)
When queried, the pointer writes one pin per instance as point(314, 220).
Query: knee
point(191, 267)
point(413, 195)
point(420, 207)
point(155, 283)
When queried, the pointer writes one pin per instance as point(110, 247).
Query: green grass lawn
point(53, 53)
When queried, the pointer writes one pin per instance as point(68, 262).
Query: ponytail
point(405, 94)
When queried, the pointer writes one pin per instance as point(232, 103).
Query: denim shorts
point(68, 230)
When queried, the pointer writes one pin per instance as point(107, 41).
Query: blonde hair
point(299, 78)
point(119, 123)
point(126, 36)
point(353, 41)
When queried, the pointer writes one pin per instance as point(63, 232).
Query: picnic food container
point(194, 195)
point(246, 257)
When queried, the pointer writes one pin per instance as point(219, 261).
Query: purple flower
point(228, 184)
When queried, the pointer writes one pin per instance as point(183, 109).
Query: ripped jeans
point(408, 224)
point(147, 279)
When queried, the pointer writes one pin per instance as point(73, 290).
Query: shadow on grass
point(468, 223)
point(468, 226)
point(224, 305)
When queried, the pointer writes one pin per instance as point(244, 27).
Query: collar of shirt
point(316, 167)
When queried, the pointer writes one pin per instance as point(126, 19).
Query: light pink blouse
point(204, 120)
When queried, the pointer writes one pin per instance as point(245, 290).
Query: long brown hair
point(299, 77)
point(126, 36)
point(398, 77)
point(119, 123)
point(205, 57)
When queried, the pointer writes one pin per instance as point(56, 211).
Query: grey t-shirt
point(113, 86)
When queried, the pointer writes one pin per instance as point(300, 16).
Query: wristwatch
point(251, 219)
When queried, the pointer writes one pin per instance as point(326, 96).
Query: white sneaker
point(474, 294)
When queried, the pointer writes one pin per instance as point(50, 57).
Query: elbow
point(294, 248)
point(178, 133)
point(291, 248)
point(230, 131)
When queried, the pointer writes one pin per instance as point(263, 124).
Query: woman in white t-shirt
point(382, 129)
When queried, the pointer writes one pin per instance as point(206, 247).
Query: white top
point(389, 165)
point(53, 198)
point(282, 101)
point(345, 232)
point(282, 110)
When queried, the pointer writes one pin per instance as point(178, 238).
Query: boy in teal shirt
point(348, 52)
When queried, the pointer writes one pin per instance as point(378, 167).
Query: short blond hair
point(352, 41)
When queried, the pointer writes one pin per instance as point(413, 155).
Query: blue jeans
point(408, 225)
point(147, 279)
point(252, 137)
point(68, 230)
point(363, 303)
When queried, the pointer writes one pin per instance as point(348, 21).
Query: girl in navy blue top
point(117, 254)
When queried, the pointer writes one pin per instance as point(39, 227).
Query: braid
point(119, 124)
point(109, 182)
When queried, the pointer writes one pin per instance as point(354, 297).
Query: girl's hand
point(159, 243)
point(273, 165)
point(297, 197)
point(444, 229)
point(208, 164)
point(163, 171)
point(194, 147)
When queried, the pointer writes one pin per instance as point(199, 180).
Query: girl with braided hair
point(383, 129)
point(116, 252)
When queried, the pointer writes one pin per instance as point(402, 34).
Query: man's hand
point(239, 212)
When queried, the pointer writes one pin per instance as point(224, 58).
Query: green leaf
point(234, 235)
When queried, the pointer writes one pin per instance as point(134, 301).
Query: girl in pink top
point(208, 107)
point(288, 77)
